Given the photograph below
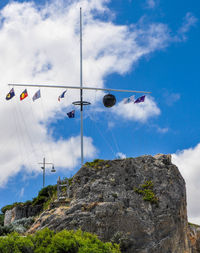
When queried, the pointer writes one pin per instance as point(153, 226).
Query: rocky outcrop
point(194, 237)
point(137, 202)
point(21, 211)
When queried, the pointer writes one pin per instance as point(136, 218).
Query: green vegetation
point(44, 198)
point(67, 180)
point(47, 241)
point(146, 190)
point(1, 219)
point(97, 163)
point(20, 226)
point(70, 181)
point(9, 207)
point(193, 225)
point(122, 239)
point(44, 195)
point(4, 230)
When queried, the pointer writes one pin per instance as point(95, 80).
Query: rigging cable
point(11, 136)
point(27, 133)
point(21, 141)
point(49, 145)
point(113, 136)
point(35, 120)
point(100, 132)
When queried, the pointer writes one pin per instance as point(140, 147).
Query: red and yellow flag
point(23, 95)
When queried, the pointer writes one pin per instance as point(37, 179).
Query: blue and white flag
point(36, 95)
point(62, 95)
point(128, 100)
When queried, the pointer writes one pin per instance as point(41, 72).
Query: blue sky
point(150, 45)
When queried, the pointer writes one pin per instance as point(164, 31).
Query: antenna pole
point(43, 172)
point(81, 85)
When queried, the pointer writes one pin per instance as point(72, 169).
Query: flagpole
point(81, 85)
point(80, 103)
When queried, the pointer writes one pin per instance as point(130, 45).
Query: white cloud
point(171, 98)
point(151, 3)
point(41, 45)
point(188, 163)
point(120, 155)
point(189, 21)
point(162, 130)
point(25, 154)
point(137, 112)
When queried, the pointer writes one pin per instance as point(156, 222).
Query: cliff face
point(137, 202)
point(194, 237)
point(20, 212)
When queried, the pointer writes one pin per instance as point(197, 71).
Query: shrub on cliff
point(22, 225)
point(47, 241)
point(4, 230)
point(44, 195)
point(1, 219)
point(19, 226)
point(9, 207)
point(43, 198)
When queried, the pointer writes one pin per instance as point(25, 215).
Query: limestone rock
point(137, 202)
point(194, 237)
point(20, 212)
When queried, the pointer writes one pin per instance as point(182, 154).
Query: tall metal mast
point(81, 103)
point(81, 85)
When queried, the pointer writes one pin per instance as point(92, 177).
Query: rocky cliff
point(20, 212)
point(137, 202)
point(194, 237)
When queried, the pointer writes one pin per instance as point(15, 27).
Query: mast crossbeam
point(75, 87)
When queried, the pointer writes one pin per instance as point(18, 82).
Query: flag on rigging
point(10, 95)
point(140, 99)
point(71, 114)
point(36, 95)
point(23, 95)
point(128, 100)
point(62, 95)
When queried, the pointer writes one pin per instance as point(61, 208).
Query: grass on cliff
point(44, 197)
point(193, 225)
point(47, 241)
point(97, 164)
point(146, 190)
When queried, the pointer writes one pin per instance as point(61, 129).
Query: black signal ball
point(109, 100)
